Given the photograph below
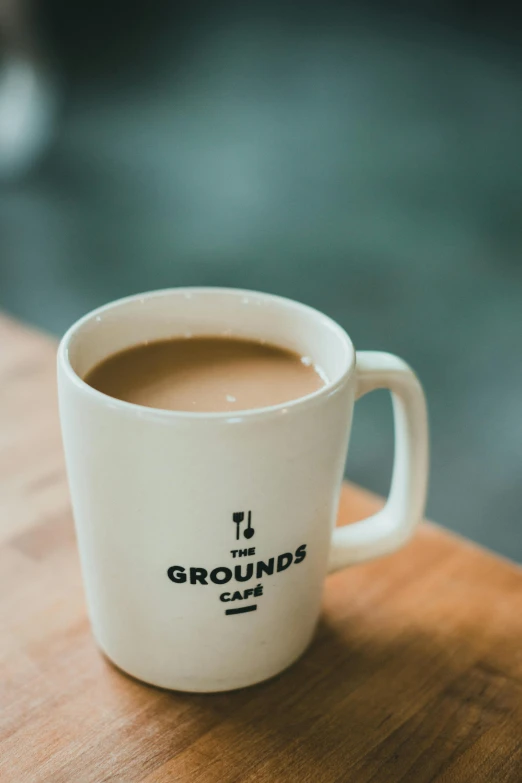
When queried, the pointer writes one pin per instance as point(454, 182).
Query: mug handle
point(391, 527)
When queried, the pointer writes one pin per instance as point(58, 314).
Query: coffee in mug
point(206, 374)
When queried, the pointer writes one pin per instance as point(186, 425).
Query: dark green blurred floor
point(369, 167)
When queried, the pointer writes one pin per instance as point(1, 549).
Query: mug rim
point(143, 411)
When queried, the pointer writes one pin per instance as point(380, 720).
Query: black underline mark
point(241, 609)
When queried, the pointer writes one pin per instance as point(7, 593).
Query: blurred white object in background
point(27, 109)
point(27, 89)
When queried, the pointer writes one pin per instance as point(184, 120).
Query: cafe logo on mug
point(237, 573)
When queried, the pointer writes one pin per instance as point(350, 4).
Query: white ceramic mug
point(177, 594)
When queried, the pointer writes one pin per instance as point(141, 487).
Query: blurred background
point(364, 158)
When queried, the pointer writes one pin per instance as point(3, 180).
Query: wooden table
point(415, 674)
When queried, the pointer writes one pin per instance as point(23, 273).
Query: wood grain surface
point(415, 673)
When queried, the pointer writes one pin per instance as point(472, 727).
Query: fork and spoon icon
point(238, 517)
